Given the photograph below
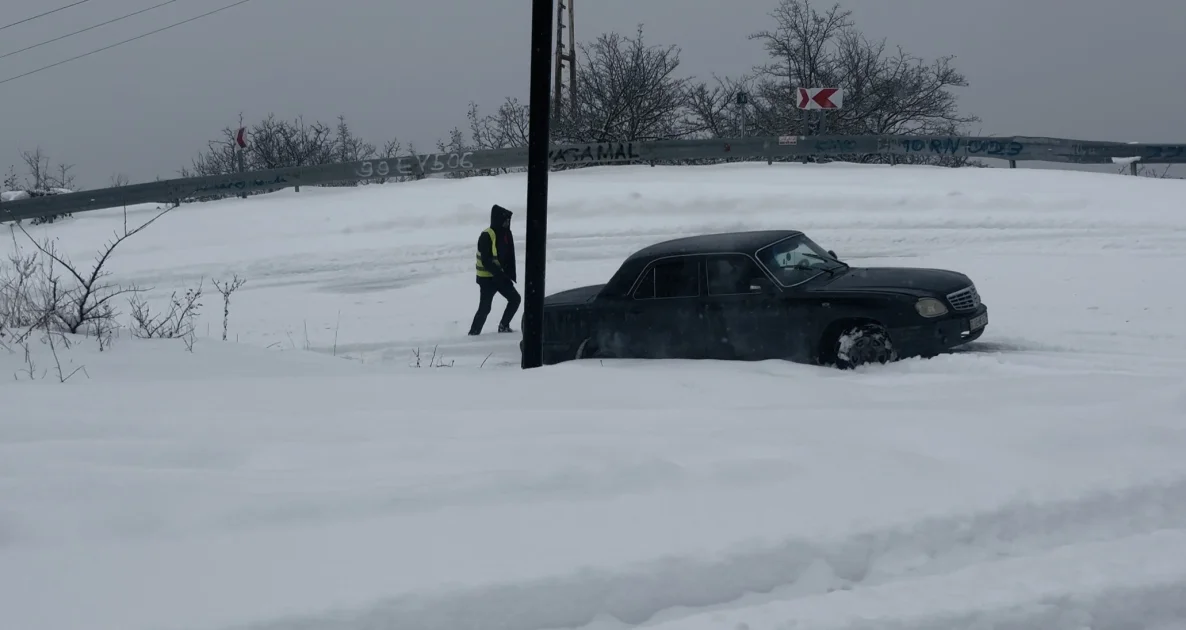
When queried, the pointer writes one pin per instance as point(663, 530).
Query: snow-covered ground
point(1035, 480)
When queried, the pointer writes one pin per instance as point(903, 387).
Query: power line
point(89, 28)
point(131, 39)
point(43, 14)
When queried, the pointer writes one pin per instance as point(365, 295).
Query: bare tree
point(63, 178)
point(457, 144)
point(884, 93)
point(713, 109)
point(75, 299)
point(41, 179)
point(10, 181)
point(391, 149)
point(219, 158)
point(505, 129)
point(629, 92)
point(348, 147)
point(281, 144)
point(37, 168)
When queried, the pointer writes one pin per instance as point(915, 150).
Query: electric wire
point(40, 15)
point(89, 28)
point(130, 39)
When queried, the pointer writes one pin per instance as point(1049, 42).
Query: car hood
point(912, 280)
point(579, 295)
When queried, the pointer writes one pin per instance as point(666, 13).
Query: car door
point(666, 313)
point(750, 317)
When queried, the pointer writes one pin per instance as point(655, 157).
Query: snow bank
point(1035, 480)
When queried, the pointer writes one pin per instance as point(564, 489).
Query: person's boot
point(504, 328)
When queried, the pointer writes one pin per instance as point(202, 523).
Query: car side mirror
point(833, 254)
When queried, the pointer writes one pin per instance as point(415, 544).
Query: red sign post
point(241, 140)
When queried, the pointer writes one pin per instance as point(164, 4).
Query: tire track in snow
point(795, 568)
point(1137, 581)
point(1155, 607)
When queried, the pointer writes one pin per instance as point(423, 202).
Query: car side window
point(731, 274)
point(675, 278)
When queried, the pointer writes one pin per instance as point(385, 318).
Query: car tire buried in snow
point(587, 350)
point(863, 344)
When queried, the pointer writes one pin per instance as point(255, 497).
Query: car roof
point(746, 242)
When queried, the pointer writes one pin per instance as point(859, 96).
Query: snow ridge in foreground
point(1034, 480)
point(1027, 565)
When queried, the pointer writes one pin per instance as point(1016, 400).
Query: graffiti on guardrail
point(415, 164)
point(834, 145)
point(1153, 152)
point(962, 146)
point(241, 184)
point(605, 152)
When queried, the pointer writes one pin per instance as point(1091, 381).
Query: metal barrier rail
point(1014, 149)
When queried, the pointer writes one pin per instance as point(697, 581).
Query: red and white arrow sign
point(241, 137)
point(821, 98)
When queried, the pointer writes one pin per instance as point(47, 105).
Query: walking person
point(495, 266)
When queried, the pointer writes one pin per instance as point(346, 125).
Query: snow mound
point(1035, 479)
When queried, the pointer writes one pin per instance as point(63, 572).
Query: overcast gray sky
point(1098, 69)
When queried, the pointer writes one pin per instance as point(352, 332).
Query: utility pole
point(572, 59)
point(538, 141)
point(565, 54)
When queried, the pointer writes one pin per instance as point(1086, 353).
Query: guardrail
point(1013, 149)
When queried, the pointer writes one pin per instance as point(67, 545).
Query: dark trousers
point(487, 287)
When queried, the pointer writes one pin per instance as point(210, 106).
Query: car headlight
point(930, 307)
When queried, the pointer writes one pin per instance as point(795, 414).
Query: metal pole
point(572, 60)
point(239, 166)
point(538, 140)
point(558, 83)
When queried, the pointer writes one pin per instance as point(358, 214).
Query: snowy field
point(307, 474)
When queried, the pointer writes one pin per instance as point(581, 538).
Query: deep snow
point(1035, 480)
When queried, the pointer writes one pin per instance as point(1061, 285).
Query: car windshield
point(796, 259)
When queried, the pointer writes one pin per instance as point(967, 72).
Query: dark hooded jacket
point(500, 219)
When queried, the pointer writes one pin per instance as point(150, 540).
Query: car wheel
point(864, 344)
point(591, 349)
point(586, 350)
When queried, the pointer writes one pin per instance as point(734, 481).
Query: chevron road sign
point(821, 98)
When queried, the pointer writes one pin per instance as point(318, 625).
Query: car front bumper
point(944, 333)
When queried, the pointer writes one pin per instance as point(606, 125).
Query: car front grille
point(965, 299)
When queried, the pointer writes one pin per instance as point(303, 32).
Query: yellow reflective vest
point(482, 272)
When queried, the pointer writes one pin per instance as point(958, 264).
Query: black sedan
point(772, 294)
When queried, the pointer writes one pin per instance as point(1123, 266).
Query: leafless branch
point(226, 289)
point(176, 322)
point(87, 301)
point(62, 377)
